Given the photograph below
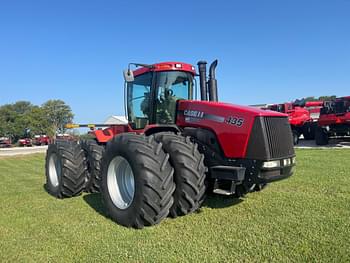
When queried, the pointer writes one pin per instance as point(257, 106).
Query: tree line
point(322, 98)
point(23, 117)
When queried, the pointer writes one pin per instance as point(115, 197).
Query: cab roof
point(166, 66)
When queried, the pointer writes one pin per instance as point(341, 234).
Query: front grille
point(271, 138)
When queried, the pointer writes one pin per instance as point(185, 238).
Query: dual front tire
point(145, 179)
point(141, 179)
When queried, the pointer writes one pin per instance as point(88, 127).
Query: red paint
point(298, 116)
point(25, 142)
point(41, 140)
point(232, 139)
point(330, 119)
point(107, 134)
point(167, 66)
point(333, 118)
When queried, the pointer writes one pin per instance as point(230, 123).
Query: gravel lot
point(333, 143)
point(22, 150)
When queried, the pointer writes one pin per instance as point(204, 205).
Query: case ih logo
point(194, 113)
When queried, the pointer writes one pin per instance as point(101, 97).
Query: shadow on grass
point(220, 201)
point(211, 201)
point(95, 202)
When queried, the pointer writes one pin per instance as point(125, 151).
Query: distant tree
point(12, 119)
point(48, 119)
point(58, 114)
point(36, 120)
point(310, 99)
point(323, 98)
point(327, 98)
point(22, 107)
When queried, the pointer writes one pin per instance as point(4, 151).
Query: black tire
point(93, 153)
point(152, 180)
point(65, 169)
point(308, 136)
point(321, 136)
point(189, 175)
point(260, 187)
point(295, 137)
point(309, 131)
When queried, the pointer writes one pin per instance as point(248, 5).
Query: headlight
point(271, 164)
point(294, 160)
point(287, 162)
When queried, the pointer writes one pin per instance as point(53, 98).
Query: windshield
point(138, 101)
point(171, 87)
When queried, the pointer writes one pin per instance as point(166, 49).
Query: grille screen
point(271, 138)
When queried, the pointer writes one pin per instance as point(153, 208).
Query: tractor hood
point(231, 123)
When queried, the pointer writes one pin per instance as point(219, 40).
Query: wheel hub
point(120, 182)
point(54, 170)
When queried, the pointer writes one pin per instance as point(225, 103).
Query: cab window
point(138, 101)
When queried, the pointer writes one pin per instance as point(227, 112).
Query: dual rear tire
point(65, 169)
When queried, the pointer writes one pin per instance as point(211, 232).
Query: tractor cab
point(342, 105)
point(153, 90)
point(339, 106)
point(283, 107)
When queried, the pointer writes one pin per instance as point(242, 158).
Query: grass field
point(305, 218)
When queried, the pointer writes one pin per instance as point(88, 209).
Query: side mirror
point(128, 75)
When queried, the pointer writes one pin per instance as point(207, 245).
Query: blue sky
point(268, 51)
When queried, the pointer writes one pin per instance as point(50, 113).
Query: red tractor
point(334, 120)
point(302, 117)
point(26, 139)
point(5, 142)
point(25, 142)
point(41, 140)
point(173, 149)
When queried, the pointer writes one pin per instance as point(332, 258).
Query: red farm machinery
point(5, 142)
point(334, 120)
point(41, 139)
point(173, 149)
point(302, 116)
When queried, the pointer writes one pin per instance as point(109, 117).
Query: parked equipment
point(334, 120)
point(302, 116)
point(41, 140)
point(173, 149)
point(25, 142)
point(26, 139)
point(5, 142)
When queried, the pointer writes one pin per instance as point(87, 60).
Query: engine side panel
point(334, 119)
point(232, 124)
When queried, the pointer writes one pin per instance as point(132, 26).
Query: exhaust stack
point(212, 82)
point(202, 68)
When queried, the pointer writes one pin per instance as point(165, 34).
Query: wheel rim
point(54, 170)
point(120, 182)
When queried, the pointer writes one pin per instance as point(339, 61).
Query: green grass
point(305, 218)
